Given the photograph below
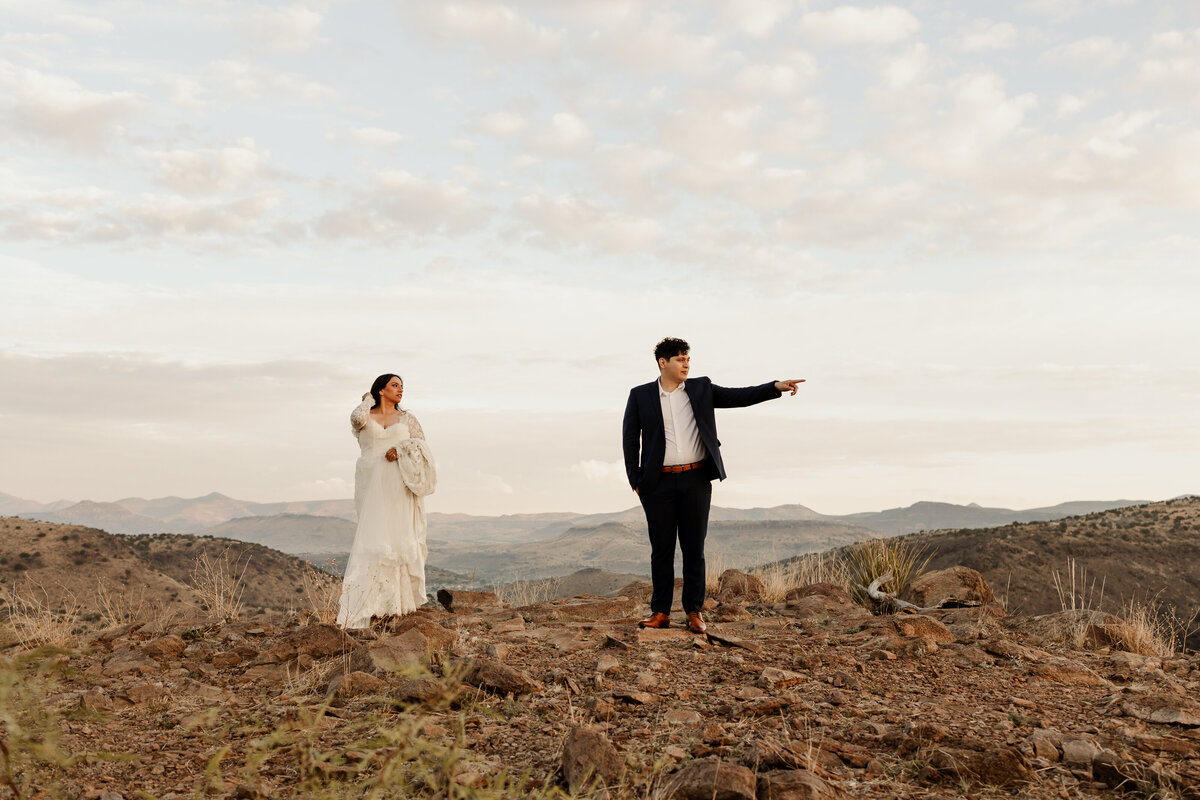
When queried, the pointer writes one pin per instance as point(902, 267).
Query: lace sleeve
point(414, 427)
point(358, 417)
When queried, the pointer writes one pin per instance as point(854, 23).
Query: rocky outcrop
point(956, 586)
point(812, 697)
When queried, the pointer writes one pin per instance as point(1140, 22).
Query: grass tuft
point(220, 585)
point(874, 558)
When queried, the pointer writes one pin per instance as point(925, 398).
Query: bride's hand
point(390, 455)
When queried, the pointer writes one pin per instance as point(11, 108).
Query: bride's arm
point(358, 417)
point(414, 427)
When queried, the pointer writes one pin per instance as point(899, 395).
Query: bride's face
point(392, 393)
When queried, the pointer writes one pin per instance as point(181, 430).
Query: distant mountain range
point(200, 514)
point(505, 547)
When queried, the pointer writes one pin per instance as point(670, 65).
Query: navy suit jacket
point(644, 422)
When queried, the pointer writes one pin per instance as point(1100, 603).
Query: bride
point(385, 574)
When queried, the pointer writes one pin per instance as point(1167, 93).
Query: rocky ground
point(810, 698)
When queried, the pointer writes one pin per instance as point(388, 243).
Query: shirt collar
point(663, 392)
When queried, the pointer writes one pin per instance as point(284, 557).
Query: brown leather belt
point(684, 467)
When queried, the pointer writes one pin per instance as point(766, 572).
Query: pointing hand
point(791, 385)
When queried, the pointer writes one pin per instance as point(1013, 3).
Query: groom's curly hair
point(669, 347)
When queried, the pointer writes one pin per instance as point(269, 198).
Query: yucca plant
point(900, 557)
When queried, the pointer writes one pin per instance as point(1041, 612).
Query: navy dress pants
point(677, 509)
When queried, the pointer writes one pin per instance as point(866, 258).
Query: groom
point(680, 455)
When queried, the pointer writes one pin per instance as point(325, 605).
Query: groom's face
point(675, 368)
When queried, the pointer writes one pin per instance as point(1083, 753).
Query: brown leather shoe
point(656, 620)
point(695, 622)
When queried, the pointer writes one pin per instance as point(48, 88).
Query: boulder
point(496, 677)
point(733, 584)
point(461, 601)
point(1001, 765)
point(143, 692)
point(410, 650)
point(354, 684)
point(1067, 672)
point(124, 662)
point(169, 646)
point(773, 679)
point(919, 625)
point(795, 784)
point(829, 590)
point(589, 757)
point(1163, 710)
point(954, 586)
point(712, 779)
point(586, 607)
point(317, 641)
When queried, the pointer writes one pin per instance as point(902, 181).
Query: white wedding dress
point(385, 573)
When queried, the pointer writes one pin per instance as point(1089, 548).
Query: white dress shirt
point(679, 425)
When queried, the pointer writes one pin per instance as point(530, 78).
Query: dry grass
point(782, 576)
point(866, 561)
point(122, 607)
point(322, 593)
point(1074, 591)
point(713, 567)
point(35, 624)
point(521, 593)
point(220, 585)
point(1146, 629)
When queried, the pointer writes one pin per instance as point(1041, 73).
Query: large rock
point(494, 676)
point(316, 641)
point(712, 779)
point(125, 662)
point(462, 601)
point(918, 625)
point(169, 646)
point(586, 607)
point(589, 757)
point(1001, 765)
point(1067, 672)
point(1163, 710)
point(409, 651)
point(354, 684)
point(1077, 627)
point(954, 586)
point(737, 585)
point(795, 784)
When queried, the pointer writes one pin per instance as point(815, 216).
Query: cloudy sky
point(970, 226)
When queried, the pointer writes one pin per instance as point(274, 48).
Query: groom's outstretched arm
point(725, 397)
point(631, 434)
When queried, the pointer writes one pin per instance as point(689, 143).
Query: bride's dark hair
point(381, 382)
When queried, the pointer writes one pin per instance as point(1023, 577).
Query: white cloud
point(377, 137)
point(59, 109)
point(503, 123)
point(659, 41)
point(1097, 52)
point(291, 28)
point(497, 29)
point(790, 75)
point(984, 35)
point(565, 221)
point(851, 25)
point(400, 203)
point(603, 473)
point(93, 26)
point(249, 81)
point(565, 135)
point(210, 170)
point(908, 66)
point(756, 18)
